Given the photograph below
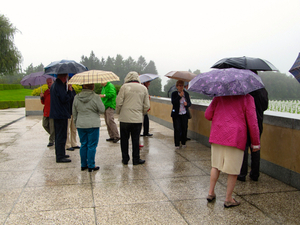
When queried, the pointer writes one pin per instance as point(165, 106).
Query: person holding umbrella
point(181, 102)
point(146, 118)
point(87, 107)
point(230, 116)
point(232, 112)
point(261, 101)
point(60, 113)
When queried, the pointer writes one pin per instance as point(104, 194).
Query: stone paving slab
point(170, 188)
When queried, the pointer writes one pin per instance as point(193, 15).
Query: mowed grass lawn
point(14, 95)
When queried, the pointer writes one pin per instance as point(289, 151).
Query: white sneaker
point(183, 146)
point(177, 147)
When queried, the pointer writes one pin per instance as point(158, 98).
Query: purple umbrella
point(295, 70)
point(37, 78)
point(226, 82)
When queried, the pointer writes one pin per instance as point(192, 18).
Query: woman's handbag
point(189, 113)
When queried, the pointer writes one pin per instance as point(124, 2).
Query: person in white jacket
point(132, 104)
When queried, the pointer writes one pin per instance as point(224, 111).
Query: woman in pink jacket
point(232, 117)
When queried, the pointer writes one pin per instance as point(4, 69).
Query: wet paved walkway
point(170, 188)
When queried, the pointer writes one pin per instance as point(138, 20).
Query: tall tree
point(109, 65)
point(150, 68)
point(92, 62)
point(10, 57)
point(140, 65)
point(33, 69)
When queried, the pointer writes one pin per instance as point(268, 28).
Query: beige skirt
point(227, 159)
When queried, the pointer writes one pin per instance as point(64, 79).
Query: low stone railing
point(280, 141)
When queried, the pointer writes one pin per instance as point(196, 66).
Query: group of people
point(132, 103)
point(236, 125)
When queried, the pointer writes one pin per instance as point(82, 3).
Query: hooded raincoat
point(87, 107)
point(132, 102)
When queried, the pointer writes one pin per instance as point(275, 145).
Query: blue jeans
point(89, 138)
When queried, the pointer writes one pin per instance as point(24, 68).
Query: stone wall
point(280, 141)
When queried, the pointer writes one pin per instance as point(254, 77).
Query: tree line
point(279, 85)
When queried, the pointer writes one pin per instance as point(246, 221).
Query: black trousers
point(133, 130)
point(146, 125)
point(180, 124)
point(255, 163)
point(60, 127)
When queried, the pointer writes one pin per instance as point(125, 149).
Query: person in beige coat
point(132, 104)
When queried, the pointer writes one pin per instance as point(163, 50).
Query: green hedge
point(11, 104)
point(10, 86)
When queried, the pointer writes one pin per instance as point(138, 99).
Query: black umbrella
point(245, 63)
point(65, 66)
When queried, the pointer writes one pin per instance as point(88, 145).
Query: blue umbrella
point(70, 67)
point(295, 70)
point(226, 82)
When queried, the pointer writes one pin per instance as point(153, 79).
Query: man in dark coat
point(59, 111)
point(261, 103)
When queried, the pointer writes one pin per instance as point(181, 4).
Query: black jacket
point(60, 101)
point(261, 103)
point(175, 99)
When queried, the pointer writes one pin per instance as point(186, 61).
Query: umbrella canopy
point(245, 63)
point(37, 78)
point(181, 75)
point(226, 82)
point(93, 77)
point(64, 66)
point(295, 70)
point(148, 77)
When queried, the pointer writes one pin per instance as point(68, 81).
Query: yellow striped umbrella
point(93, 77)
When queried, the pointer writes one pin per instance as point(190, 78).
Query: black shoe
point(145, 135)
point(188, 139)
point(141, 161)
point(50, 144)
point(70, 149)
point(241, 178)
point(84, 168)
point(109, 139)
point(95, 168)
point(125, 162)
point(76, 147)
point(116, 140)
point(67, 156)
point(64, 160)
point(253, 178)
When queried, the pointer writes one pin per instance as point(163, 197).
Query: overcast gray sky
point(176, 35)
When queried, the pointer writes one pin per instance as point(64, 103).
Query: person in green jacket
point(108, 96)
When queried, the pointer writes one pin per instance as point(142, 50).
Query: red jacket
point(46, 101)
